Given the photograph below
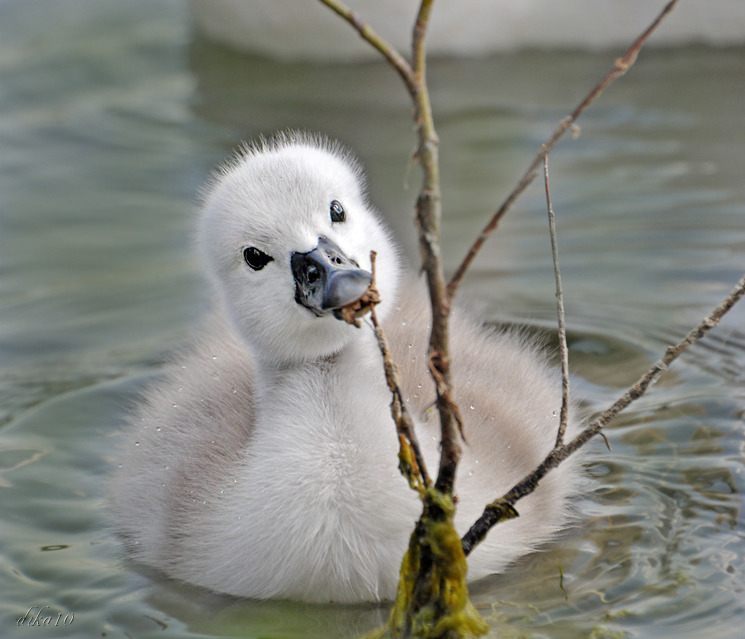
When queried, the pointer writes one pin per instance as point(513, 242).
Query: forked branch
point(410, 459)
point(428, 214)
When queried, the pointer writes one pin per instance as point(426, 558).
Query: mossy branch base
point(432, 600)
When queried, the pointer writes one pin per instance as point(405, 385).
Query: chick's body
point(265, 463)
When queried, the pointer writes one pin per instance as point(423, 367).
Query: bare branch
point(397, 61)
point(503, 508)
point(411, 461)
point(620, 67)
point(428, 214)
point(563, 350)
point(420, 31)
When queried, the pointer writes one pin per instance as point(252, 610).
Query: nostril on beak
point(326, 279)
point(312, 274)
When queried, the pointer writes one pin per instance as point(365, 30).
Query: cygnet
point(264, 463)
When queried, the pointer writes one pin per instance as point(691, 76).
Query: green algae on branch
point(432, 600)
point(409, 467)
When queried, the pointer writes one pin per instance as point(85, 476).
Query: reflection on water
point(110, 119)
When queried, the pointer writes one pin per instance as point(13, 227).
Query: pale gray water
point(110, 119)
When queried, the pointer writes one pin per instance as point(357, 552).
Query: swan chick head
point(286, 233)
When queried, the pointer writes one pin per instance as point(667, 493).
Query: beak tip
point(346, 287)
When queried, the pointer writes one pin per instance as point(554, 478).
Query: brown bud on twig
point(352, 312)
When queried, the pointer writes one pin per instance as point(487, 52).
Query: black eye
point(337, 212)
point(256, 259)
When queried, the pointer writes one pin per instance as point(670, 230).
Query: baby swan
point(265, 463)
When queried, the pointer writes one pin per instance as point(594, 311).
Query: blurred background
point(113, 114)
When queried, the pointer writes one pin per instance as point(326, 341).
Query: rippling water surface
point(111, 116)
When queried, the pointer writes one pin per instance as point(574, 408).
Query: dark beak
point(326, 279)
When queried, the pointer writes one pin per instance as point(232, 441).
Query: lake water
point(112, 116)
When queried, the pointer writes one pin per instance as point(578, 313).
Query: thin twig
point(503, 508)
point(411, 461)
point(620, 67)
point(397, 61)
point(419, 63)
point(563, 350)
